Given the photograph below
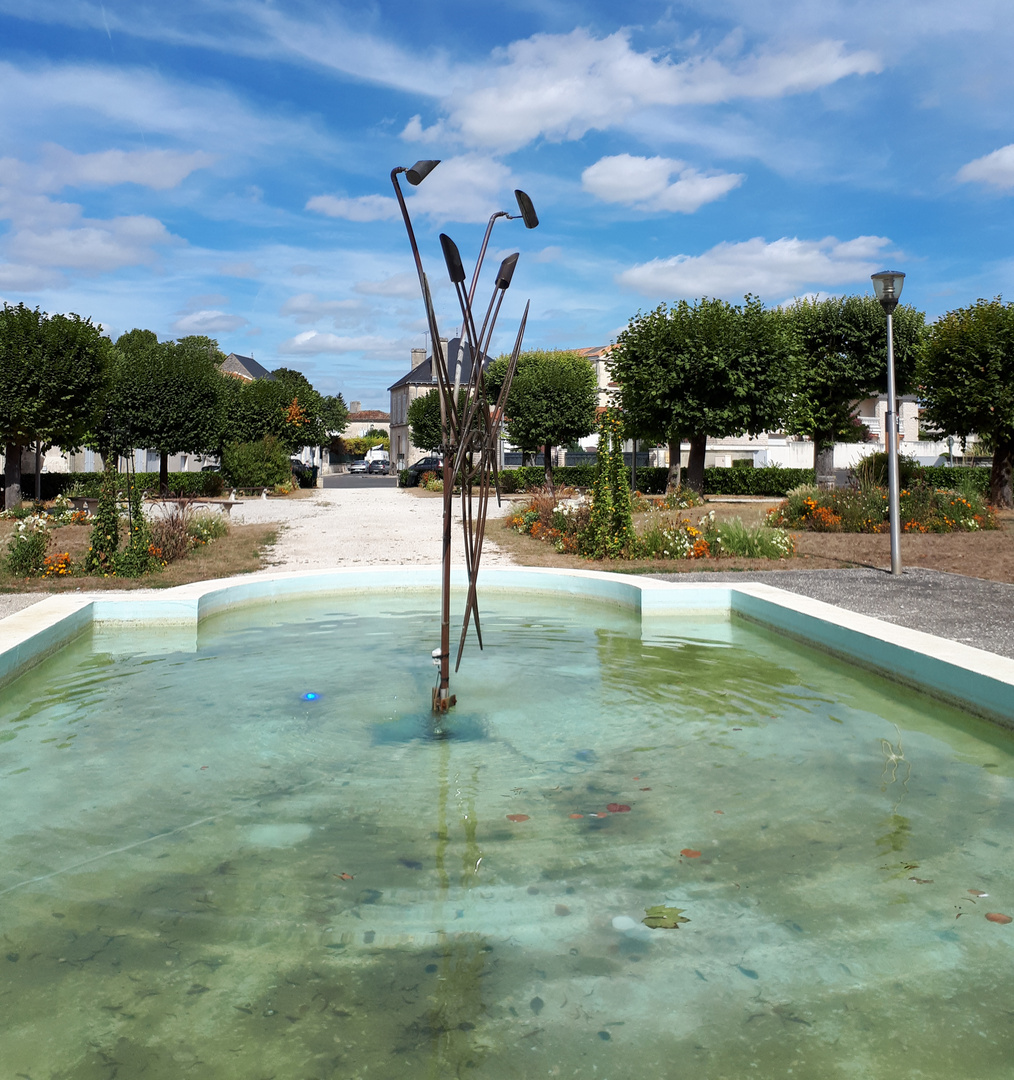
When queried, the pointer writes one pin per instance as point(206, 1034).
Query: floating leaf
point(996, 916)
point(346, 877)
point(922, 880)
point(517, 817)
point(690, 853)
point(618, 808)
point(978, 892)
point(577, 815)
point(660, 917)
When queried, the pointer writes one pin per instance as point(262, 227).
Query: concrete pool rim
point(978, 681)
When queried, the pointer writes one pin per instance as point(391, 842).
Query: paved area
point(378, 523)
point(970, 610)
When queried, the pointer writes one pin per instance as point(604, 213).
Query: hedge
point(652, 480)
point(199, 484)
point(944, 476)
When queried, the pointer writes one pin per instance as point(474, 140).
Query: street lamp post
point(887, 285)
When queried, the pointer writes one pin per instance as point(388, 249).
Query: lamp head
point(528, 214)
point(887, 285)
point(453, 259)
point(506, 271)
point(419, 171)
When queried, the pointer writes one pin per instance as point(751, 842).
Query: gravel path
point(346, 527)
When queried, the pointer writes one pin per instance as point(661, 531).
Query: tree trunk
point(547, 464)
point(1001, 494)
point(823, 460)
point(38, 472)
point(674, 478)
point(163, 475)
point(633, 465)
point(695, 465)
point(12, 476)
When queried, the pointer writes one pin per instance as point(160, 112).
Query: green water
point(204, 875)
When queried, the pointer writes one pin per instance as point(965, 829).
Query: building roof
point(458, 354)
point(368, 414)
point(594, 352)
point(245, 367)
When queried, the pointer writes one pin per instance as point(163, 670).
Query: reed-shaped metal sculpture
point(470, 423)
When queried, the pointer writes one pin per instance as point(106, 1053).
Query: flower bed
point(924, 509)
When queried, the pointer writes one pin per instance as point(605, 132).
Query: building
point(245, 368)
point(420, 380)
point(363, 420)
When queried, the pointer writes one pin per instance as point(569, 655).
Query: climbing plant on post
point(610, 529)
point(105, 535)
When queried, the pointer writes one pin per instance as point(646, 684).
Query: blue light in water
point(310, 696)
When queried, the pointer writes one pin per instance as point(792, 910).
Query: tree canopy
point(53, 374)
point(424, 421)
point(166, 396)
point(842, 348)
point(287, 407)
point(967, 377)
point(709, 369)
point(551, 402)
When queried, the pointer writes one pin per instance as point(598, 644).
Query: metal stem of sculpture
point(470, 427)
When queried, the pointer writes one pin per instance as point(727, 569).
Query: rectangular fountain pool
point(250, 853)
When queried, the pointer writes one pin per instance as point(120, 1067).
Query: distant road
point(344, 480)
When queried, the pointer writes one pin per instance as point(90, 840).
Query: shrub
point(264, 463)
point(26, 549)
point(871, 471)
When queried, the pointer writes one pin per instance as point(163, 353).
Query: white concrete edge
point(977, 680)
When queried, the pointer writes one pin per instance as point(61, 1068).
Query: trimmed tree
point(167, 396)
point(551, 401)
point(704, 370)
point(842, 347)
point(53, 374)
point(424, 421)
point(967, 377)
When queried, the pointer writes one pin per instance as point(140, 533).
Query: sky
point(222, 167)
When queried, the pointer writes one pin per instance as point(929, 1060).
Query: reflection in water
point(216, 876)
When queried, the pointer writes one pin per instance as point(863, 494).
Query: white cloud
point(644, 183)
point(996, 168)
point(405, 285)
point(156, 169)
point(560, 86)
point(361, 208)
point(774, 269)
point(240, 269)
point(105, 100)
point(307, 308)
point(468, 188)
point(92, 246)
point(208, 322)
point(314, 343)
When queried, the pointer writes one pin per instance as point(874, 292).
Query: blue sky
point(222, 166)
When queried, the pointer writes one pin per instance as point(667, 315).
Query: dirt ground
point(240, 552)
point(988, 555)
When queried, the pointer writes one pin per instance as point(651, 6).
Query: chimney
point(355, 406)
point(418, 356)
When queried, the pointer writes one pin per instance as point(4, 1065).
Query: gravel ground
point(346, 527)
point(970, 610)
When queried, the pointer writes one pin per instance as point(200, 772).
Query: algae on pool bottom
point(203, 872)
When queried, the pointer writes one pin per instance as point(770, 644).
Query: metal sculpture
point(470, 424)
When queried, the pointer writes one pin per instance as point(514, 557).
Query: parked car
point(358, 467)
point(379, 467)
point(432, 463)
